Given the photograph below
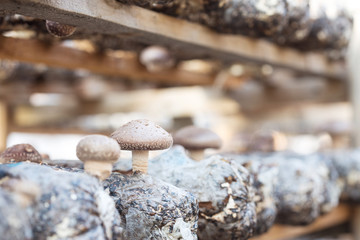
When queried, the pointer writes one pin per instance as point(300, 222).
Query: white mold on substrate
point(15, 223)
point(153, 209)
point(71, 205)
point(223, 188)
point(305, 188)
point(347, 163)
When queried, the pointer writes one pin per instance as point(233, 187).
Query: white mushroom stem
point(99, 169)
point(197, 155)
point(140, 161)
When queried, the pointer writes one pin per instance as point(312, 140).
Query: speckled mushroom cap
point(142, 134)
point(97, 148)
point(58, 29)
point(20, 153)
point(192, 137)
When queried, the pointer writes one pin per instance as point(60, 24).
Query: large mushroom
point(196, 140)
point(140, 137)
point(20, 153)
point(149, 207)
point(98, 154)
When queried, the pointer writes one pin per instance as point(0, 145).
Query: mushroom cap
point(192, 137)
point(20, 153)
point(98, 148)
point(156, 58)
point(142, 134)
point(58, 29)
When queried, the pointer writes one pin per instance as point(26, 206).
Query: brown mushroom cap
point(193, 138)
point(97, 148)
point(142, 134)
point(20, 153)
point(59, 30)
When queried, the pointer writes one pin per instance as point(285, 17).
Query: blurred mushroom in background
point(196, 140)
point(90, 88)
point(267, 141)
point(156, 58)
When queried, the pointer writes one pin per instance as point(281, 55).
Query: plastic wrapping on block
point(14, 223)
point(224, 190)
point(153, 209)
point(71, 205)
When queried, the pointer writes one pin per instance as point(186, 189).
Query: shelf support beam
point(183, 37)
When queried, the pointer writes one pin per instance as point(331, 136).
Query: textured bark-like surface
point(254, 18)
point(153, 209)
point(224, 190)
point(298, 23)
point(347, 164)
point(249, 17)
point(330, 29)
point(306, 186)
point(14, 221)
point(71, 205)
point(265, 178)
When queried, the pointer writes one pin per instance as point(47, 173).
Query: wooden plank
point(278, 232)
point(109, 17)
point(35, 51)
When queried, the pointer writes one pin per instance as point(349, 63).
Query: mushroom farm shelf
point(185, 38)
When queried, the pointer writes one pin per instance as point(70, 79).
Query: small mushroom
point(59, 30)
point(20, 153)
point(196, 140)
point(98, 153)
point(156, 59)
point(140, 137)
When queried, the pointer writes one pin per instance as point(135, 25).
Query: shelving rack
point(187, 40)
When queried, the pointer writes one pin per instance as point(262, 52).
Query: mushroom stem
point(140, 160)
point(197, 155)
point(99, 169)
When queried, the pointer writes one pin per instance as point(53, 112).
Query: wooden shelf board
point(339, 215)
point(57, 55)
point(195, 40)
